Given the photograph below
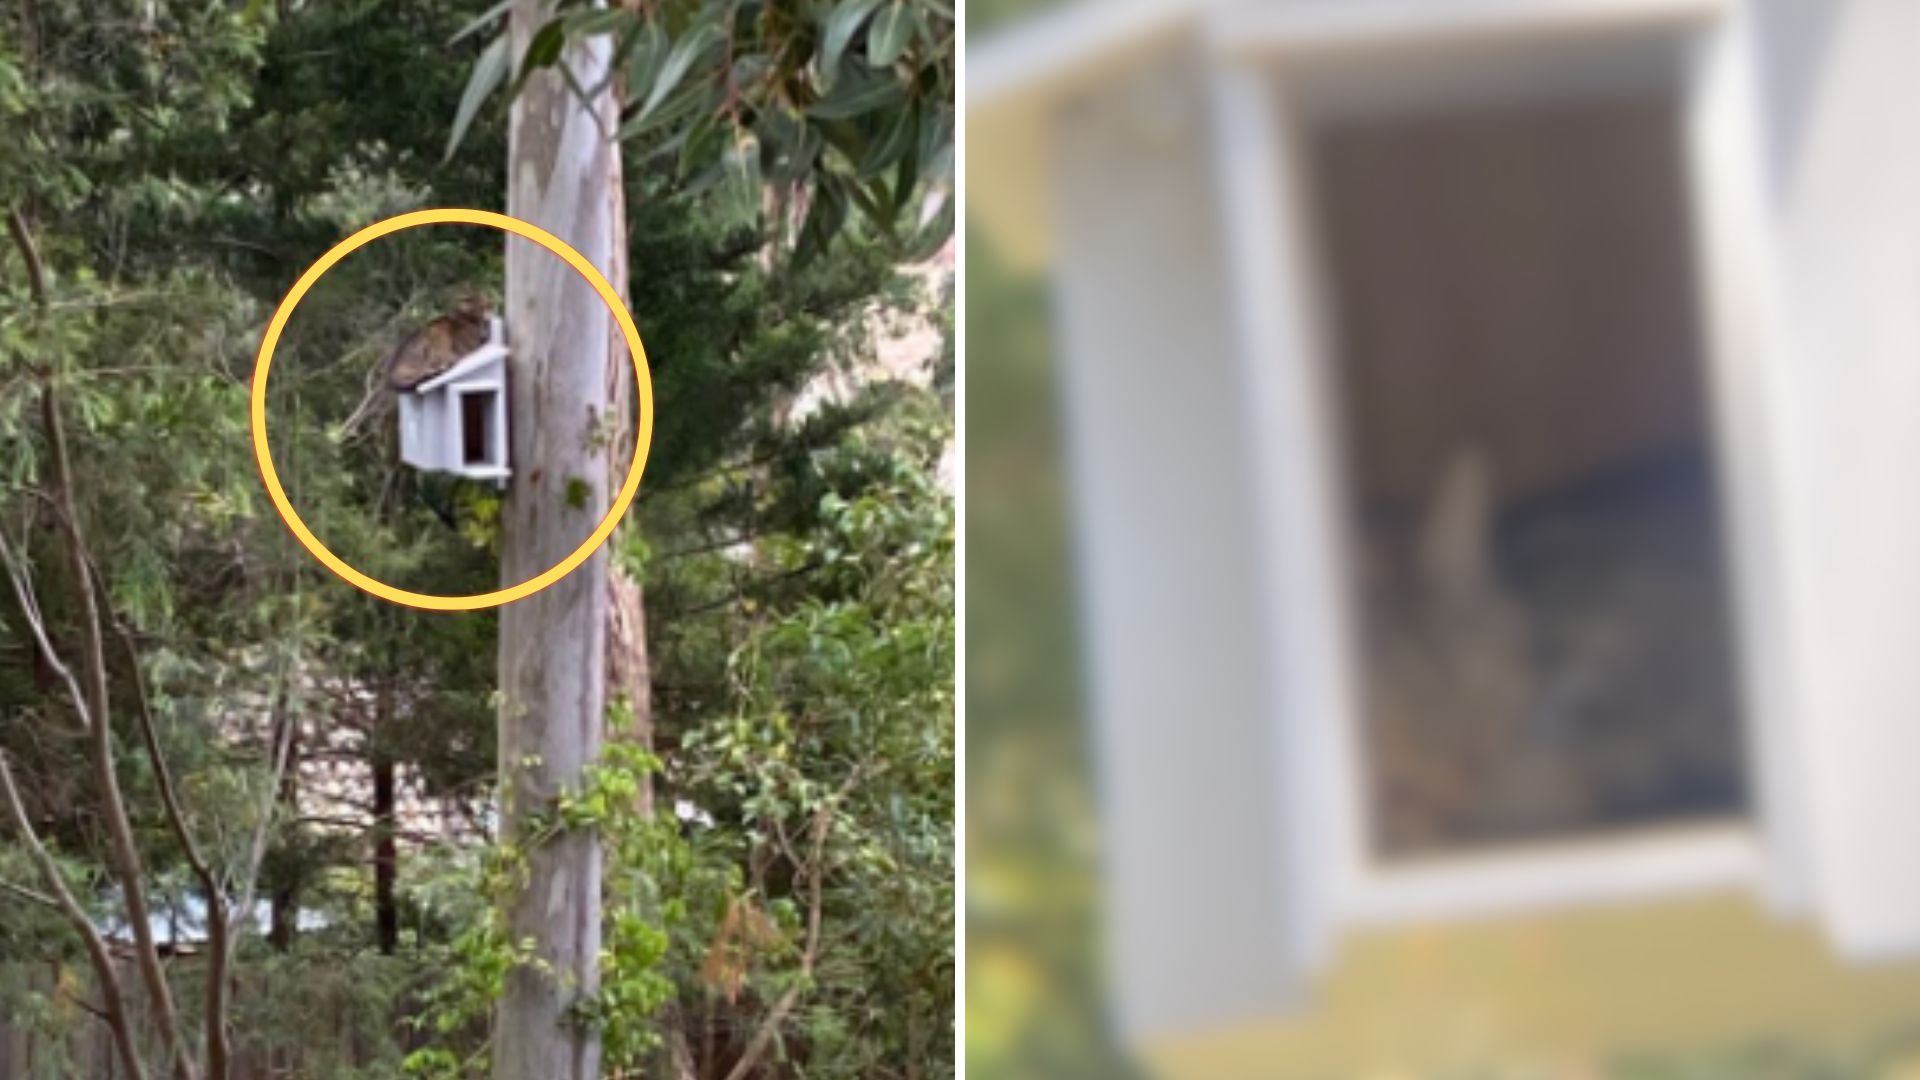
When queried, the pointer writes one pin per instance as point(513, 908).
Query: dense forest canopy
point(314, 767)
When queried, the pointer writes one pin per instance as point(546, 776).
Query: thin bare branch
point(37, 626)
point(126, 853)
point(815, 872)
point(31, 896)
point(218, 1047)
point(30, 254)
point(283, 724)
point(97, 954)
point(86, 1006)
point(108, 300)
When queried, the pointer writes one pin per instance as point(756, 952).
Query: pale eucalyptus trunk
point(563, 175)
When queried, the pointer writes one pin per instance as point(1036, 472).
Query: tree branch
point(89, 1007)
point(91, 708)
point(31, 896)
point(815, 873)
point(745, 536)
point(126, 854)
point(91, 700)
point(30, 253)
point(97, 954)
point(745, 590)
point(283, 730)
point(37, 626)
point(218, 953)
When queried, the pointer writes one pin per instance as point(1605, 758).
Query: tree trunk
point(285, 892)
point(386, 911)
point(629, 675)
point(284, 899)
point(563, 176)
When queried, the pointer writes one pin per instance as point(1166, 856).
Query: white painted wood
point(563, 175)
point(1276, 305)
point(1060, 46)
point(1742, 323)
point(1313, 30)
point(1542, 68)
point(494, 464)
point(1845, 134)
point(1069, 45)
point(417, 415)
point(1286, 354)
point(1807, 234)
point(1176, 649)
point(433, 421)
point(1634, 867)
point(484, 363)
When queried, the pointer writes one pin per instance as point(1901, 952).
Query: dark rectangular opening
point(1545, 634)
point(476, 416)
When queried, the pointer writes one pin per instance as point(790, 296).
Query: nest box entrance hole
point(1548, 651)
point(476, 419)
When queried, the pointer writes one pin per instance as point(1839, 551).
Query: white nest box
point(456, 421)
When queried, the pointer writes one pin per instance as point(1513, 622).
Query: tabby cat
point(1559, 665)
point(441, 343)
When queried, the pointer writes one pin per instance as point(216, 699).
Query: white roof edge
point(1043, 48)
point(491, 351)
point(1303, 28)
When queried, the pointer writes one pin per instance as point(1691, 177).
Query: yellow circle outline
point(643, 387)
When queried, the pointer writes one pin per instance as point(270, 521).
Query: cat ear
point(1456, 536)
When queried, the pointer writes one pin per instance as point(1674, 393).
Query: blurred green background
point(1033, 943)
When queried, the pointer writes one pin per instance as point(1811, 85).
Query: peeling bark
point(563, 176)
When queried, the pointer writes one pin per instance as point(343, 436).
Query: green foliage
point(177, 164)
point(1034, 983)
point(831, 105)
point(1887, 1053)
point(647, 872)
point(829, 753)
point(842, 715)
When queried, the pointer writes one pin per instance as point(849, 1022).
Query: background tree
point(178, 165)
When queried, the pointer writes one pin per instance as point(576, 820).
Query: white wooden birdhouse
point(1582, 236)
point(456, 421)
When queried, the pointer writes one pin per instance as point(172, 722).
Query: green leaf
point(543, 51)
point(873, 205)
point(936, 148)
point(685, 51)
point(931, 236)
point(481, 22)
point(853, 98)
point(740, 189)
point(751, 69)
point(596, 21)
point(790, 144)
point(488, 72)
point(902, 135)
point(824, 218)
point(841, 24)
point(907, 176)
point(704, 142)
point(892, 29)
point(649, 49)
point(680, 111)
